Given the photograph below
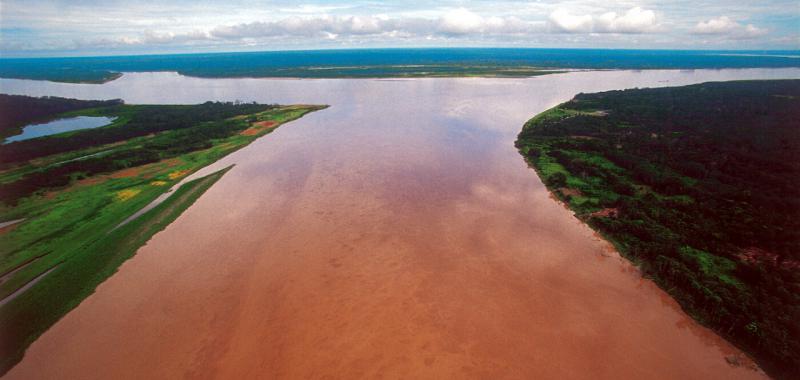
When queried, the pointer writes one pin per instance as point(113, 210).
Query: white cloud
point(153, 37)
point(455, 23)
point(635, 20)
point(189, 25)
point(461, 21)
point(725, 26)
point(306, 27)
point(565, 21)
point(720, 25)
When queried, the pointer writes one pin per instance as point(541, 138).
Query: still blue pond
point(60, 126)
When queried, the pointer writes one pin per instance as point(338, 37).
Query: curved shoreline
point(596, 158)
point(396, 234)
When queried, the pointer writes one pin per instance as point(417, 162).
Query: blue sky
point(92, 27)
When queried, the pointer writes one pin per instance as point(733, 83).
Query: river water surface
point(396, 234)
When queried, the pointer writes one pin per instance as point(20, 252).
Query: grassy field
point(697, 185)
point(67, 243)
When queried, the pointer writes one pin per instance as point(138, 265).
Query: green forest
point(698, 185)
point(19, 111)
point(177, 130)
point(67, 200)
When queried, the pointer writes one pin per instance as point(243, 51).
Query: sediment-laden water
point(397, 233)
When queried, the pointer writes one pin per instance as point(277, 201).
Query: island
point(75, 205)
point(698, 185)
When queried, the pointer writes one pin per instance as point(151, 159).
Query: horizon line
point(2, 58)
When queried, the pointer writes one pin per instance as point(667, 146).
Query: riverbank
point(71, 237)
point(685, 181)
point(332, 72)
point(396, 234)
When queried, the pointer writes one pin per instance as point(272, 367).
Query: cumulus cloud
point(307, 27)
point(148, 37)
point(635, 20)
point(454, 23)
point(184, 25)
point(724, 26)
point(153, 37)
point(463, 21)
point(458, 22)
point(564, 21)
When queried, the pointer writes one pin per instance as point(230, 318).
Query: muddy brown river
point(396, 234)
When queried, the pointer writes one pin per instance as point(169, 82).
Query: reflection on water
point(60, 126)
point(397, 233)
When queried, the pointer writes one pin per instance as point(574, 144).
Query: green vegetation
point(370, 71)
point(697, 185)
point(74, 196)
point(19, 111)
point(400, 71)
point(382, 63)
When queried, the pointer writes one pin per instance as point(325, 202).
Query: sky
point(30, 28)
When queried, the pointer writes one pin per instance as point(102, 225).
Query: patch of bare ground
point(567, 191)
point(91, 181)
point(127, 173)
point(755, 255)
point(609, 212)
point(258, 127)
point(170, 162)
point(741, 360)
point(4, 229)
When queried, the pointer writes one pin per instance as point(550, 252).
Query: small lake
point(76, 123)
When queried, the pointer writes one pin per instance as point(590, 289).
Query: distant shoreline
point(389, 63)
point(499, 74)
